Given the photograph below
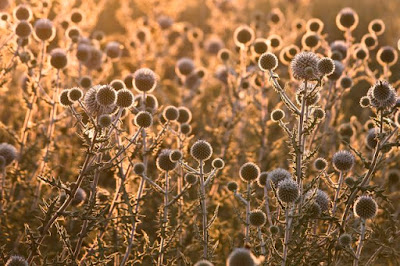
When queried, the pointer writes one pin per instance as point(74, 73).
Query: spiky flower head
point(243, 36)
point(124, 98)
point(58, 58)
point(64, 99)
point(16, 261)
point(387, 56)
point(365, 207)
point(274, 229)
point(288, 190)
point(185, 115)
point(241, 257)
point(277, 115)
point(365, 102)
point(320, 164)
point(8, 152)
point(338, 71)
point(164, 162)
point(175, 155)
point(105, 120)
point(257, 218)
point(185, 129)
point(144, 80)
point(139, 168)
point(218, 163)
point(106, 96)
point(171, 113)
point(143, 119)
point(301, 64)
point(382, 95)
point(262, 179)
point(190, 178)
point(371, 139)
point(23, 29)
point(318, 113)
point(343, 161)
point(232, 186)
point(345, 240)
point(326, 66)
point(201, 150)
point(347, 19)
point(249, 172)
point(320, 197)
point(79, 197)
point(278, 175)
point(44, 29)
point(339, 47)
point(184, 66)
point(268, 61)
point(75, 94)
point(113, 50)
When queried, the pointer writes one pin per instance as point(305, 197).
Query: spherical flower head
point(201, 150)
point(260, 46)
point(338, 71)
point(75, 94)
point(346, 130)
point(268, 61)
point(143, 119)
point(124, 98)
point(79, 198)
point(150, 103)
point(349, 181)
point(139, 168)
point(171, 113)
point(257, 218)
point(105, 121)
point(278, 175)
point(346, 82)
point(22, 12)
point(106, 96)
point(232, 186)
point(241, 257)
point(64, 99)
point(224, 55)
point(58, 58)
point(213, 45)
point(23, 29)
point(343, 161)
point(118, 84)
point(365, 102)
point(190, 178)
point(44, 29)
point(320, 164)
point(345, 240)
point(318, 113)
point(311, 98)
point(387, 56)
point(90, 101)
point(144, 80)
point(185, 115)
point(165, 22)
point(203, 263)
point(382, 95)
point(185, 129)
point(347, 19)
point(371, 139)
point(113, 50)
point(218, 163)
point(376, 26)
point(16, 261)
point(164, 162)
point(274, 229)
point(83, 52)
point(262, 179)
point(288, 191)
point(184, 66)
point(365, 207)
point(175, 155)
point(326, 66)
point(243, 36)
point(339, 47)
point(8, 152)
point(319, 197)
point(249, 172)
point(303, 61)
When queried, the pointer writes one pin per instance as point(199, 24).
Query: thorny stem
point(262, 243)
point(267, 210)
point(204, 210)
point(164, 222)
point(247, 235)
point(360, 244)
point(288, 221)
point(339, 185)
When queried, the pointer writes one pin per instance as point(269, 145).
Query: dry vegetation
point(199, 132)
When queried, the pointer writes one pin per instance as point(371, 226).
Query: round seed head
point(23, 29)
point(338, 71)
point(16, 261)
point(315, 25)
point(278, 175)
point(144, 80)
point(185, 115)
point(164, 162)
point(91, 103)
point(105, 121)
point(310, 40)
point(268, 61)
point(347, 19)
point(79, 198)
point(124, 98)
point(150, 103)
point(303, 61)
point(339, 48)
point(224, 55)
point(113, 50)
point(106, 96)
point(75, 94)
point(320, 164)
point(201, 150)
point(171, 113)
point(377, 27)
point(64, 99)
point(44, 29)
point(319, 113)
point(190, 178)
point(213, 45)
point(346, 82)
point(257, 218)
point(241, 257)
point(277, 115)
point(76, 16)
point(249, 172)
point(346, 130)
point(371, 139)
point(143, 119)
point(320, 197)
point(365, 102)
point(382, 95)
point(343, 161)
point(243, 35)
point(260, 46)
point(387, 55)
point(365, 207)
point(326, 66)
point(218, 163)
point(361, 53)
point(22, 12)
point(262, 179)
point(274, 229)
point(175, 155)
point(139, 168)
point(345, 240)
point(232, 186)
point(118, 84)
point(203, 263)
point(95, 59)
point(83, 52)
point(8, 152)
point(288, 191)
point(58, 58)
point(165, 22)
point(184, 66)
point(185, 129)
